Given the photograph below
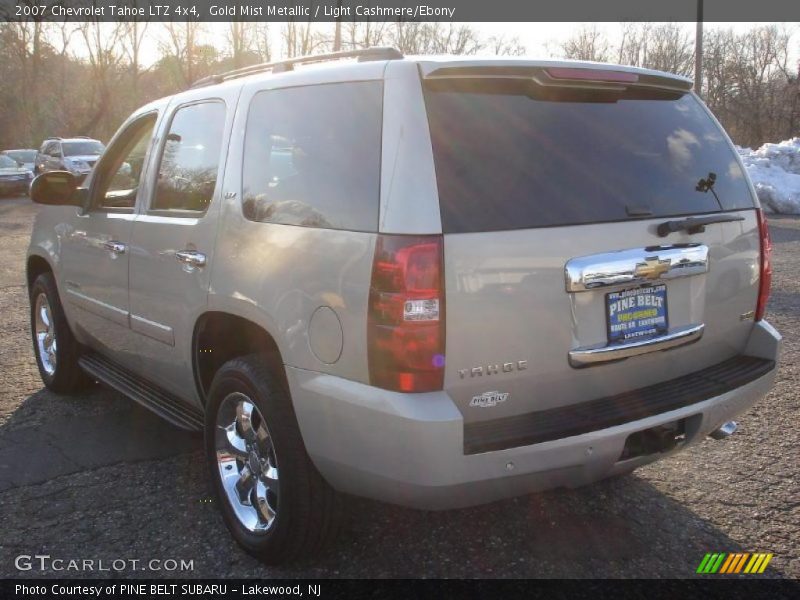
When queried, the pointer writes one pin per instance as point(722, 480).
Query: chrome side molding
point(635, 266)
point(585, 357)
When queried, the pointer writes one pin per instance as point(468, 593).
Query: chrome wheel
point(45, 333)
point(248, 467)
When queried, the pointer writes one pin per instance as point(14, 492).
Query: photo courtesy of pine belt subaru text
point(433, 281)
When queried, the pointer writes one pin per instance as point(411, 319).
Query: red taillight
point(591, 75)
point(765, 279)
point(405, 329)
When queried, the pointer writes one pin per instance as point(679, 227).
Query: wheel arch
point(35, 266)
point(219, 337)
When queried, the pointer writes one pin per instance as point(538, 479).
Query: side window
point(312, 156)
point(121, 172)
point(187, 175)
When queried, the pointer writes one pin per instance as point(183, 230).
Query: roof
point(434, 66)
point(79, 138)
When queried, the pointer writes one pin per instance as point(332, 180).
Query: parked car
point(14, 179)
point(26, 158)
point(435, 282)
point(77, 155)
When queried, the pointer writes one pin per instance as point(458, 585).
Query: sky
point(537, 37)
point(540, 39)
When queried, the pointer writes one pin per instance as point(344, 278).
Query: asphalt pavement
point(97, 477)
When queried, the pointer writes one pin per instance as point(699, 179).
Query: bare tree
point(299, 39)
point(501, 45)
point(26, 44)
point(102, 45)
point(263, 41)
point(182, 48)
point(242, 38)
point(588, 43)
point(435, 38)
point(134, 34)
point(365, 34)
point(749, 84)
point(664, 46)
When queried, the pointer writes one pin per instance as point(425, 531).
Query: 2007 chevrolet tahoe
point(433, 281)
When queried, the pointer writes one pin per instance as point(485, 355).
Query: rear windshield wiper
point(694, 224)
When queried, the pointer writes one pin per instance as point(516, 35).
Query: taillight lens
point(406, 314)
point(765, 279)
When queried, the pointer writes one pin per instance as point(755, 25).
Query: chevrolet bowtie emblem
point(652, 268)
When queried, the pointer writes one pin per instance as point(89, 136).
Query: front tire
point(56, 349)
point(274, 502)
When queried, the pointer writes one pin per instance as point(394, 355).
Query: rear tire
point(273, 500)
point(56, 349)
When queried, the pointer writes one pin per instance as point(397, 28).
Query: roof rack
point(82, 137)
point(363, 55)
point(52, 137)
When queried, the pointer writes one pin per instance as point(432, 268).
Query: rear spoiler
point(603, 77)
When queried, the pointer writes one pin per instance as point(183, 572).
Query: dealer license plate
point(640, 313)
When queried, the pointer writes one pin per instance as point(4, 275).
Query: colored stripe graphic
point(730, 564)
point(734, 563)
point(718, 563)
point(764, 564)
point(703, 563)
point(754, 563)
point(711, 562)
point(759, 563)
point(741, 562)
point(727, 564)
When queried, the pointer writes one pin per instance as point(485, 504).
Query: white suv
point(433, 281)
point(76, 155)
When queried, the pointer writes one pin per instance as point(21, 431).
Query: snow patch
point(775, 172)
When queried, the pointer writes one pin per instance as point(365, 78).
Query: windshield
point(510, 155)
point(82, 148)
point(7, 163)
point(24, 156)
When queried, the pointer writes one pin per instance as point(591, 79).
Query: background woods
point(85, 78)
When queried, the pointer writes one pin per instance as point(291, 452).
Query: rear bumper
point(409, 449)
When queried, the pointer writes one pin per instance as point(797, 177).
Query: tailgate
point(560, 288)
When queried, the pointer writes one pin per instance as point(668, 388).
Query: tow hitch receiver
point(654, 440)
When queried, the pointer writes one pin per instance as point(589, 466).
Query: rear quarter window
point(312, 156)
point(510, 155)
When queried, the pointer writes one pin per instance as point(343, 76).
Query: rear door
point(173, 240)
point(559, 287)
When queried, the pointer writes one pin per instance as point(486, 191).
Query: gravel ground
point(96, 477)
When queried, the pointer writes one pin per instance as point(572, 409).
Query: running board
point(166, 405)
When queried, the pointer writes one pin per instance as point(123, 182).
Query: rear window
point(512, 155)
point(82, 148)
point(312, 156)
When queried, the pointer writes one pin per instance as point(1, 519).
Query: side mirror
point(56, 188)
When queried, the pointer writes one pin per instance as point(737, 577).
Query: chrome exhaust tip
point(725, 430)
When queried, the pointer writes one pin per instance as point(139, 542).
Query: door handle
point(114, 246)
point(191, 258)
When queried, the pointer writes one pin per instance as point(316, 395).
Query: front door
point(96, 249)
point(173, 240)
